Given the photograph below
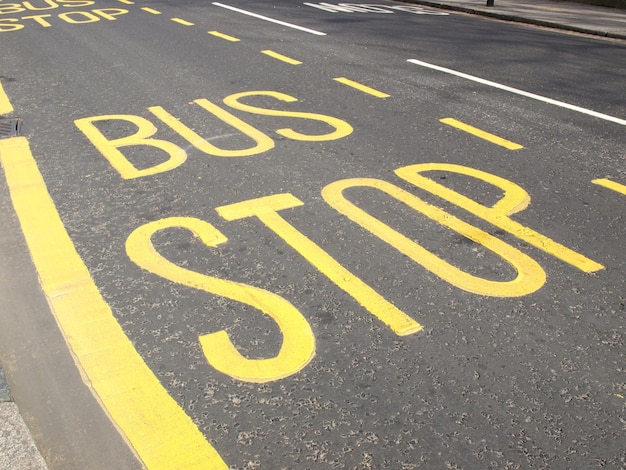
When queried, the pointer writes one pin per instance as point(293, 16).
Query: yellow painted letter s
point(298, 347)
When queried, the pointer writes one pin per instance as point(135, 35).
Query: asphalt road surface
point(302, 235)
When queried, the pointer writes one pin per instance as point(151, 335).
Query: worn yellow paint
point(151, 10)
point(494, 139)
point(224, 36)
point(284, 58)
point(341, 128)
point(530, 276)
point(5, 105)
point(127, 2)
point(183, 22)
point(266, 210)
point(361, 87)
point(298, 346)
point(143, 136)
point(515, 199)
point(155, 426)
point(607, 183)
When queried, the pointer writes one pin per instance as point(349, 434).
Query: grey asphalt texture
point(17, 447)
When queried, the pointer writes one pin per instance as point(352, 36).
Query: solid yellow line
point(224, 36)
point(151, 10)
point(494, 139)
point(284, 58)
point(361, 87)
point(159, 431)
point(183, 22)
point(5, 105)
point(127, 2)
point(607, 183)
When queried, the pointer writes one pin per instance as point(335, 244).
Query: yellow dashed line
point(361, 87)
point(494, 139)
point(183, 22)
point(224, 36)
point(5, 104)
point(607, 183)
point(284, 58)
point(151, 10)
point(127, 2)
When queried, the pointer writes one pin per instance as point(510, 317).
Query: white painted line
point(572, 107)
point(271, 20)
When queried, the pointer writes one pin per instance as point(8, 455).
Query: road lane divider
point(151, 10)
point(517, 91)
point(154, 425)
point(224, 36)
point(271, 20)
point(494, 139)
point(183, 22)
point(127, 2)
point(281, 57)
point(607, 183)
point(361, 87)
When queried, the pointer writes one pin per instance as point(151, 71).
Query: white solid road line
point(271, 20)
point(572, 107)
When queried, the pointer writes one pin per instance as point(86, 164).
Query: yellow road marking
point(224, 36)
point(266, 210)
point(284, 58)
point(298, 342)
point(517, 91)
point(183, 22)
point(145, 130)
point(5, 104)
point(529, 278)
point(151, 10)
point(361, 87)
point(494, 139)
point(159, 431)
point(607, 183)
point(341, 128)
point(127, 2)
point(514, 200)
